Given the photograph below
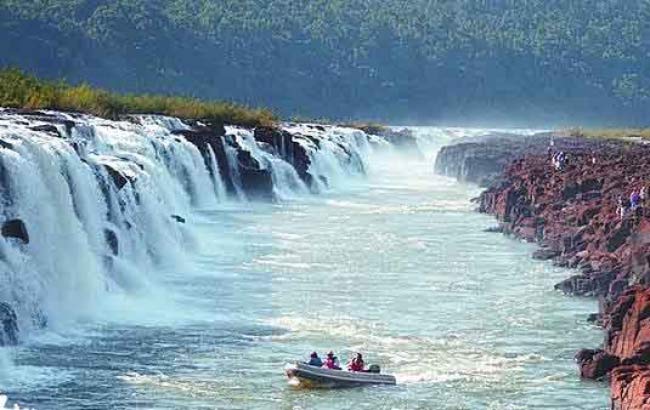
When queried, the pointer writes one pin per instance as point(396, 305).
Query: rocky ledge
point(581, 217)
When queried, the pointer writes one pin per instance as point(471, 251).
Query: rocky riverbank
point(574, 215)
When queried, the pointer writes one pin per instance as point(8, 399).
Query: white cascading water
point(62, 188)
point(286, 182)
point(340, 152)
point(217, 179)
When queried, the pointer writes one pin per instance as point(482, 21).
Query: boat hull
point(307, 376)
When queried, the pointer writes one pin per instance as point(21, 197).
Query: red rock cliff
point(573, 214)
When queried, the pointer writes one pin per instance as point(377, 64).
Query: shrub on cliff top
point(20, 90)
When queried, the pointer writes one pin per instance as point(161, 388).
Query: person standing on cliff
point(635, 199)
point(622, 209)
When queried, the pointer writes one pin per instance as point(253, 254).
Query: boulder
point(15, 228)
point(544, 254)
point(595, 364)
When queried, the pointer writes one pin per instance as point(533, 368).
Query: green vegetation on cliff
point(579, 61)
point(19, 90)
point(609, 133)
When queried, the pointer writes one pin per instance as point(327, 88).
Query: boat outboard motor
point(374, 368)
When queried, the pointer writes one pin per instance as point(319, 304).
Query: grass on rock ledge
point(610, 133)
point(24, 91)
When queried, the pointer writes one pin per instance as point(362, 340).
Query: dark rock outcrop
point(288, 148)
point(48, 128)
point(15, 228)
point(256, 181)
point(483, 160)
point(110, 236)
point(9, 325)
point(118, 178)
point(203, 136)
point(402, 139)
point(596, 364)
point(178, 219)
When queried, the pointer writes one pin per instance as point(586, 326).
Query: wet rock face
point(111, 240)
point(484, 160)
point(15, 228)
point(8, 325)
point(119, 179)
point(256, 181)
point(288, 148)
point(402, 139)
point(472, 162)
point(214, 137)
point(596, 364)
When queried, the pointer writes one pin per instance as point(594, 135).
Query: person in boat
point(332, 362)
point(357, 364)
point(314, 360)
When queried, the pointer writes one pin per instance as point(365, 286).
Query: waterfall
point(336, 153)
point(217, 180)
point(104, 202)
point(233, 166)
point(286, 182)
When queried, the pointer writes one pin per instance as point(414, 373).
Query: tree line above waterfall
point(380, 59)
point(19, 90)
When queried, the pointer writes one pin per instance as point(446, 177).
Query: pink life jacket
point(356, 365)
point(330, 363)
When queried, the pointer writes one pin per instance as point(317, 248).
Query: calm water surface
point(396, 267)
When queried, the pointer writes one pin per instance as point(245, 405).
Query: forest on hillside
point(527, 61)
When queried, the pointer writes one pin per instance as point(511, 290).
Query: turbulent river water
point(395, 265)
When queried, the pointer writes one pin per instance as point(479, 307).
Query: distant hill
point(532, 61)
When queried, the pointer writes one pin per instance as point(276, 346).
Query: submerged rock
point(178, 219)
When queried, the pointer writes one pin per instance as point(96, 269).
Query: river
point(395, 265)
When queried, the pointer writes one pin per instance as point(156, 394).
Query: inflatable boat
point(304, 375)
